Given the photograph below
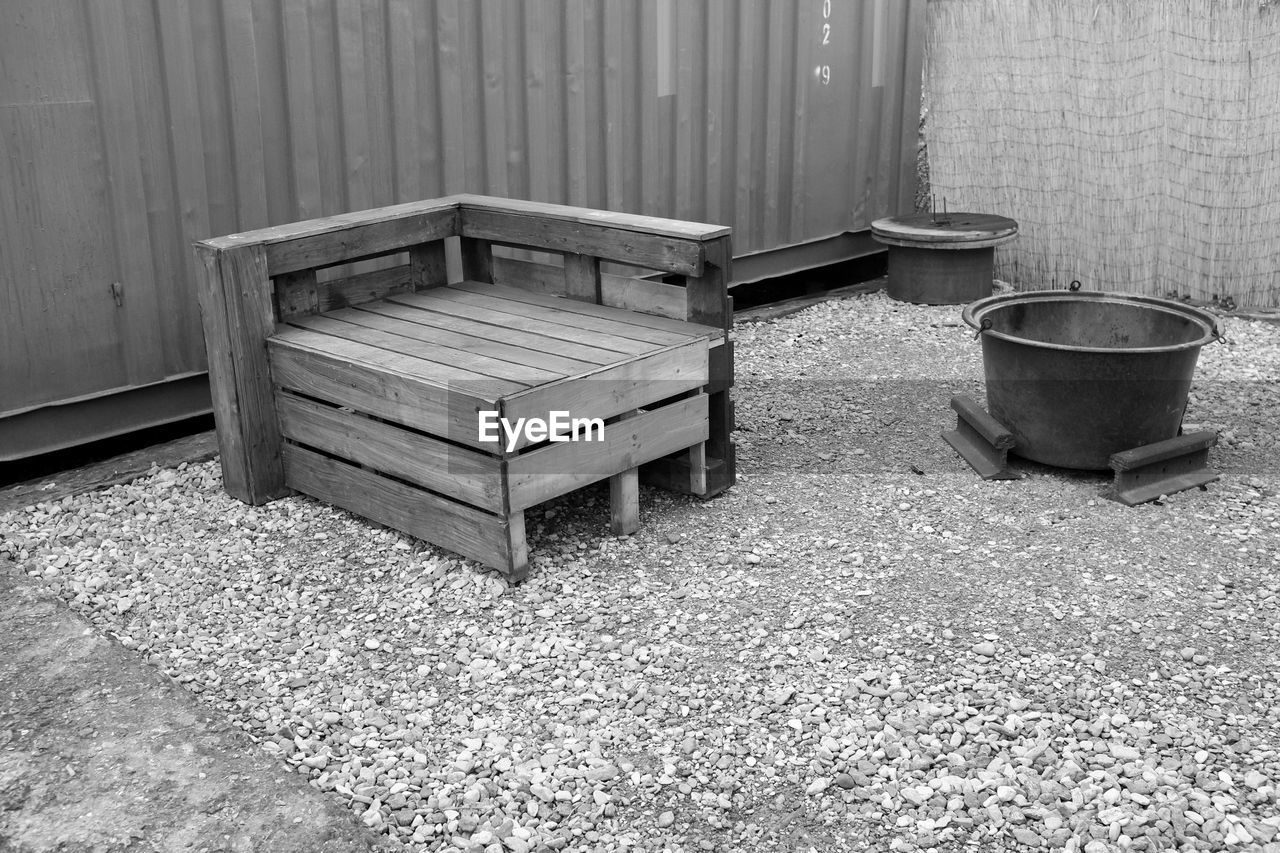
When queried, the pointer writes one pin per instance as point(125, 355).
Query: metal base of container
point(944, 276)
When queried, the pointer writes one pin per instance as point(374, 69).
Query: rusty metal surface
point(932, 277)
point(1077, 377)
point(981, 440)
point(1145, 473)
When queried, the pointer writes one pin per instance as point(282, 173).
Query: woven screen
point(1136, 142)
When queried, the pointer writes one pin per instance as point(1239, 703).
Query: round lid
point(972, 230)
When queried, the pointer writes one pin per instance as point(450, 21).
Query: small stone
point(817, 786)
point(1187, 653)
point(666, 819)
point(1006, 793)
point(1124, 753)
point(1027, 837)
point(844, 780)
point(985, 649)
point(372, 644)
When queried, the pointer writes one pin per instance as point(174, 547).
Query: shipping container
point(132, 127)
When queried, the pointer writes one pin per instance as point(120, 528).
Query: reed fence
point(1137, 143)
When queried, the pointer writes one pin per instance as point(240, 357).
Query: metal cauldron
point(1078, 376)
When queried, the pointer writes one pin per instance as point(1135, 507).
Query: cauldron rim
point(974, 313)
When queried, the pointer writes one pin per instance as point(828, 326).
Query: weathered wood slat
point(356, 352)
point(458, 473)
point(613, 390)
point(429, 301)
point(582, 278)
point(456, 526)
point(613, 323)
point(470, 343)
point(616, 291)
point(380, 390)
point(558, 469)
point(485, 331)
point(296, 293)
point(689, 231)
point(427, 266)
point(664, 324)
point(653, 251)
point(235, 300)
point(364, 287)
point(481, 365)
point(708, 292)
point(358, 242)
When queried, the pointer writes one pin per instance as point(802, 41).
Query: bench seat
point(375, 360)
point(378, 405)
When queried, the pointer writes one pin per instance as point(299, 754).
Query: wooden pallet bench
point(378, 391)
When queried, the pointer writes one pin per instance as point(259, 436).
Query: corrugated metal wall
point(132, 127)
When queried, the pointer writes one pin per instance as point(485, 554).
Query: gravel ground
point(860, 647)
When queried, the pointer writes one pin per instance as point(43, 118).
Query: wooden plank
point(235, 300)
point(439, 212)
point(617, 291)
point(559, 468)
point(508, 321)
point(334, 242)
point(497, 334)
point(364, 287)
point(466, 475)
point(457, 340)
point(661, 226)
point(427, 265)
point(651, 250)
point(515, 294)
point(608, 322)
point(379, 390)
point(445, 376)
point(624, 496)
point(582, 278)
point(613, 390)
point(708, 294)
point(296, 293)
point(449, 524)
point(481, 365)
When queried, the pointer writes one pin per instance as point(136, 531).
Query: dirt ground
point(100, 752)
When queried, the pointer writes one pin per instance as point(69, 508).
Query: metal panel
point(133, 127)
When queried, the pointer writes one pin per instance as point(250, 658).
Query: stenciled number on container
point(823, 71)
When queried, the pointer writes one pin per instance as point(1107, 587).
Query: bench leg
point(697, 456)
point(517, 568)
point(624, 496)
point(624, 502)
